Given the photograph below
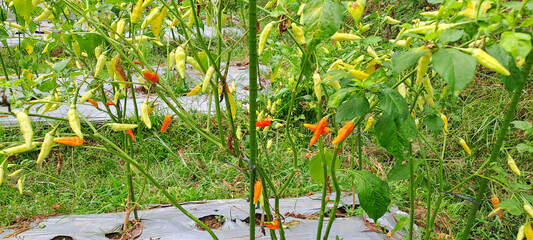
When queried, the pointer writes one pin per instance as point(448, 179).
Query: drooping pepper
point(495, 200)
point(166, 122)
point(180, 58)
point(257, 191)
point(145, 114)
point(274, 225)
point(313, 127)
point(74, 120)
point(463, 144)
point(136, 13)
point(25, 126)
point(130, 132)
point(71, 141)
point(320, 128)
point(512, 165)
point(263, 37)
point(48, 143)
point(343, 132)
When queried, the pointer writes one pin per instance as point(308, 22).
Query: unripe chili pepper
point(113, 26)
point(100, 63)
point(157, 22)
point(528, 209)
point(238, 133)
point(257, 191)
point(194, 63)
point(48, 143)
point(44, 15)
point(392, 21)
point(121, 26)
point(422, 68)
point(181, 58)
point(274, 225)
point(343, 132)
point(445, 120)
point(25, 126)
point(196, 90)
point(520, 234)
point(356, 9)
point(15, 173)
point(429, 91)
point(146, 3)
point(110, 69)
point(269, 144)
point(121, 126)
point(512, 165)
point(263, 37)
point(344, 37)
point(87, 95)
point(358, 74)
point(76, 48)
point(94, 103)
point(298, 34)
point(171, 59)
point(495, 200)
point(207, 78)
point(150, 76)
point(463, 144)
point(166, 122)
point(320, 128)
point(2, 170)
point(528, 231)
point(265, 122)
point(98, 52)
point(130, 132)
point(19, 149)
point(151, 16)
point(136, 12)
point(369, 123)
point(487, 60)
point(71, 141)
point(313, 127)
point(145, 114)
point(429, 28)
point(109, 103)
point(318, 87)
point(74, 120)
point(20, 184)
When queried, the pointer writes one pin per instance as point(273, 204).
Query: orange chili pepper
point(109, 103)
point(130, 132)
point(495, 200)
point(265, 122)
point(343, 132)
point(274, 225)
point(94, 103)
point(312, 127)
point(166, 123)
point(150, 76)
point(257, 191)
point(71, 141)
point(319, 129)
point(137, 62)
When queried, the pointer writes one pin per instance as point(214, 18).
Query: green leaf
point(522, 125)
point(512, 206)
point(403, 60)
point(455, 67)
point(338, 97)
point(400, 224)
point(401, 171)
point(322, 18)
point(356, 106)
point(387, 135)
point(512, 81)
point(407, 130)
point(60, 66)
point(88, 42)
point(316, 168)
point(518, 44)
point(451, 35)
point(373, 193)
point(24, 8)
point(433, 121)
point(393, 104)
point(523, 148)
point(526, 23)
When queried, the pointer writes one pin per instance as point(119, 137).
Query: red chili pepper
point(257, 191)
point(150, 76)
point(274, 225)
point(343, 132)
point(137, 62)
point(109, 103)
point(71, 141)
point(130, 132)
point(312, 127)
point(319, 129)
point(166, 123)
point(495, 200)
point(94, 103)
point(265, 122)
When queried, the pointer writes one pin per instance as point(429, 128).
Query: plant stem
point(252, 51)
point(497, 147)
point(360, 146)
point(411, 191)
point(333, 212)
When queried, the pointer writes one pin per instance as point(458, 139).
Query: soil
point(212, 221)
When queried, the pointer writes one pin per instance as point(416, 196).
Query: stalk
point(337, 195)
point(411, 192)
point(252, 51)
point(360, 146)
point(496, 149)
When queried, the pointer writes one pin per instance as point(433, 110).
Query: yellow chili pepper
point(25, 126)
point(463, 144)
point(74, 120)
